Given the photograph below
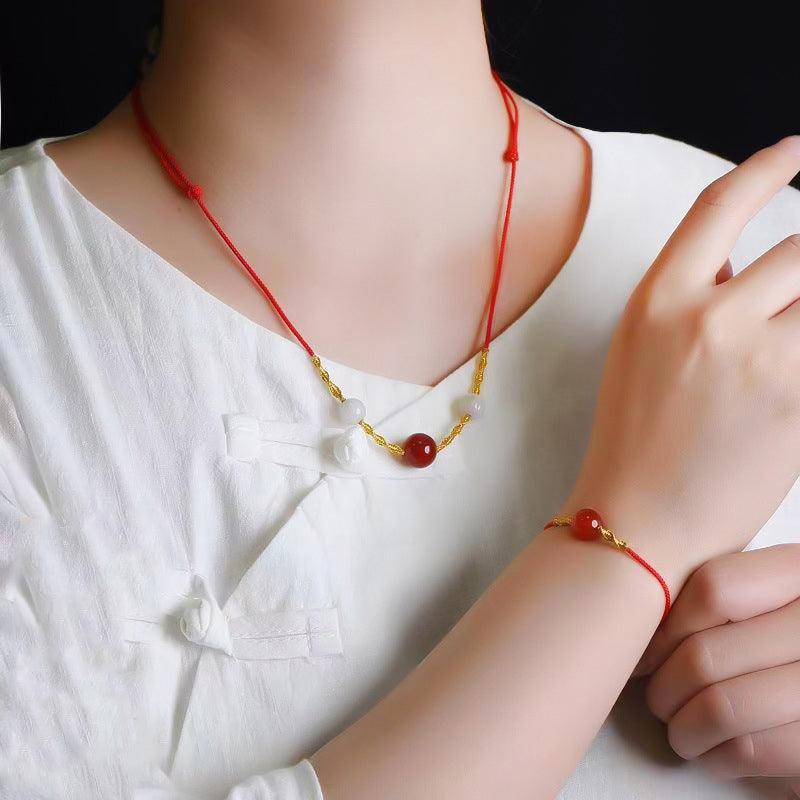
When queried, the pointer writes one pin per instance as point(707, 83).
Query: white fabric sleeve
point(297, 782)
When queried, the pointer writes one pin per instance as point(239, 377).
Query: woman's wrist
point(607, 573)
point(657, 537)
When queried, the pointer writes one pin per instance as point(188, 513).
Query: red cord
point(652, 570)
point(511, 154)
point(195, 192)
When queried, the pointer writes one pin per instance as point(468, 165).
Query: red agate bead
point(419, 450)
point(587, 524)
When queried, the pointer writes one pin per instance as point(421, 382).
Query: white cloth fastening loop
point(204, 623)
point(262, 635)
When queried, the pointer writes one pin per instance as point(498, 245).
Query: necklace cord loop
point(194, 191)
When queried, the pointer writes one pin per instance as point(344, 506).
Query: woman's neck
point(349, 93)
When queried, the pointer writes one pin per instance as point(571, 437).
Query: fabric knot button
point(196, 620)
point(203, 623)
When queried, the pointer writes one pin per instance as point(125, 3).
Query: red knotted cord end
point(194, 191)
point(511, 154)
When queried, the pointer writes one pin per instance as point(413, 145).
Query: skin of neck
point(336, 107)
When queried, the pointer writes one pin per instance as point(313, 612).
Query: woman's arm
point(509, 700)
point(695, 443)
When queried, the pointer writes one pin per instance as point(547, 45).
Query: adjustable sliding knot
point(194, 191)
point(511, 153)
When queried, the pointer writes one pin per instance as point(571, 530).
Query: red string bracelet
point(588, 524)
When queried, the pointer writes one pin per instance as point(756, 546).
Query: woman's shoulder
point(24, 186)
point(29, 217)
point(648, 182)
point(29, 199)
point(42, 226)
point(24, 215)
point(661, 166)
point(17, 155)
point(45, 258)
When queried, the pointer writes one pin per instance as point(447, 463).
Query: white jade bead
point(350, 448)
point(353, 411)
point(474, 405)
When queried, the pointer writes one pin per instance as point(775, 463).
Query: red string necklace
point(419, 449)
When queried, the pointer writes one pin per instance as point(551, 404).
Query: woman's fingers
point(725, 273)
point(735, 708)
point(773, 753)
point(724, 652)
point(707, 234)
point(784, 327)
point(770, 284)
point(736, 586)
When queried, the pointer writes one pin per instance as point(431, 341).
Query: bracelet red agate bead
point(586, 524)
point(419, 450)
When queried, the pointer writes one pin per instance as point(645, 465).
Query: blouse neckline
point(455, 383)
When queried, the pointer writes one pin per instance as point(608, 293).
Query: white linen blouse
point(194, 595)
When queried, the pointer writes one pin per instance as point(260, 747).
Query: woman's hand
point(696, 438)
point(726, 665)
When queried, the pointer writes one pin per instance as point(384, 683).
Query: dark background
point(721, 76)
